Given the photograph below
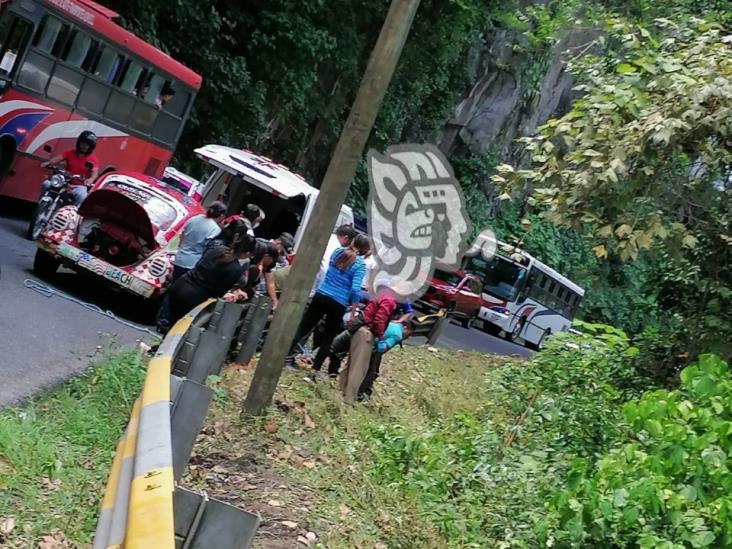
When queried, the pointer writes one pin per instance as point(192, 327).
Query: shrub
point(483, 478)
point(670, 485)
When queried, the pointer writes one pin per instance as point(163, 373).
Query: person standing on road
point(340, 288)
point(215, 274)
point(197, 233)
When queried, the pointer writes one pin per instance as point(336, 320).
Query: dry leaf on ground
point(270, 426)
point(6, 525)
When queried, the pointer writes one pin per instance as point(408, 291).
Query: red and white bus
point(65, 67)
point(523, 297)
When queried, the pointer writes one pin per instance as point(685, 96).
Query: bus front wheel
point(514, 334)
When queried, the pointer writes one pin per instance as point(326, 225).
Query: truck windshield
point(451, 279)
point(503, 278)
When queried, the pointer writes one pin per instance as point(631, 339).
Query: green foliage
point(670, 484)
point(474, 174)
point(482, 477)
point(643, 161)
point(289, 70)
point(55, 453)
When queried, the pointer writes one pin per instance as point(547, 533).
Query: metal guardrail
point(142, 506)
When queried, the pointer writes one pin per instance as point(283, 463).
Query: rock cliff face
point(512, 93)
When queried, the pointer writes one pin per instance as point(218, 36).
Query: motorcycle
point(56, 197)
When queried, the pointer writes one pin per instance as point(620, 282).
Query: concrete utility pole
point(333, 193)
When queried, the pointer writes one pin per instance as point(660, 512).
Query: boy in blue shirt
point(365, 357)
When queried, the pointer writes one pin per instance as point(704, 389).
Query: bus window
point(77, 49)
point(178, 104)
point(108, 64)
point(153, 88)
point(131, 77)
point(50, 36)
point(119, 107)
point(94, 96)
point(35, 72)
point(503, 278)
point(143, 118)
point(13, 33)
point(65, 85)
point(166, 128)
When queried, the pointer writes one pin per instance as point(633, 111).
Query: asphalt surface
point(46, 340)
point(474, 339)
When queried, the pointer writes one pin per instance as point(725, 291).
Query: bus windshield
point(503, 278)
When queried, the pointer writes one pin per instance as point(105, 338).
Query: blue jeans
point(163, 322)
point(78, 192)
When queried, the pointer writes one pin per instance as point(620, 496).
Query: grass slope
point(312, 469)
point(55, 455)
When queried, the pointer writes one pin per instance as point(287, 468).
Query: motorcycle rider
point(77, 161)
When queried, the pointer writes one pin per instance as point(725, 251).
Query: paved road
point(45, 340)
point(457, 337)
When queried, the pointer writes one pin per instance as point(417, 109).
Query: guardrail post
point(203, 523)
point(252, 328)
point(209, 357)
point(186, 351)
point(436, 332)
point(218, 310)
point(190, 401)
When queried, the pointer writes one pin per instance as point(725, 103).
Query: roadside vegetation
point(462, 450)
point(55, 455)
point(455, 449)
point(602, 439)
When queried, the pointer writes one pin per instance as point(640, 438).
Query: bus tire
point(516, 332)
point(539, 344)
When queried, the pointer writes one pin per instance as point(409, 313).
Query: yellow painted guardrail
point(137, 509)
